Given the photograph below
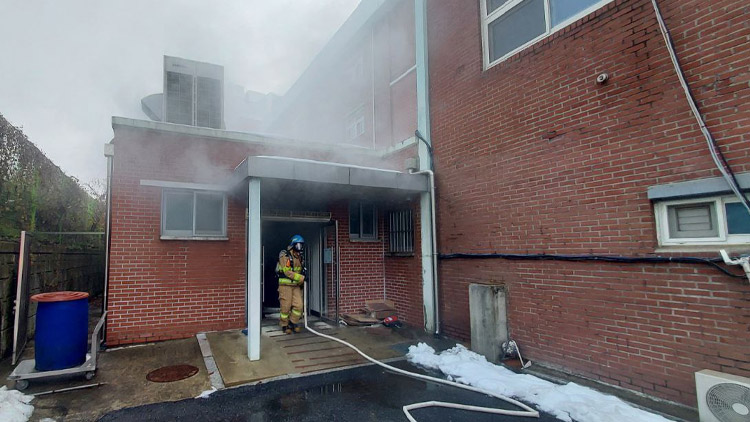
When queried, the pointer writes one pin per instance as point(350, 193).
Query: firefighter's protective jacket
point(289, 268)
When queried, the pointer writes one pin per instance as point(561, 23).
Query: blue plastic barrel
point(61, 337)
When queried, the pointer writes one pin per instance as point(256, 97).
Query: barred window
point(401, 231)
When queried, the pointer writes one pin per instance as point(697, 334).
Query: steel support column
point(254, 265)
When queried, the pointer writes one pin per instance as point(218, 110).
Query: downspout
point(109, 152)
point(433, 247)
point(429, 243)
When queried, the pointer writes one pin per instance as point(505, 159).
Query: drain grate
point(172, 373)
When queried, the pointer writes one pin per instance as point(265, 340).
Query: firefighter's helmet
point(297, 242)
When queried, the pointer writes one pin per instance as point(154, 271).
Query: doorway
point(276, 236)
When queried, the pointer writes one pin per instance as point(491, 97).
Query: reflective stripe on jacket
point(289, 269)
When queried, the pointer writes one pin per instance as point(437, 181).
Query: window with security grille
point(401, 231)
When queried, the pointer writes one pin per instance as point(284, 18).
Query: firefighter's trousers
point(292, 306)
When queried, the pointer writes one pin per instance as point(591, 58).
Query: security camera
point(602, 78)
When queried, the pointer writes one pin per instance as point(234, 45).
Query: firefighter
point(291, 269)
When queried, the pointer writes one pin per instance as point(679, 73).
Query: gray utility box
point(489, 321)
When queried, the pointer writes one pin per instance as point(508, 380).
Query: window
point(355, 124)
point(400, 232)
point(363, 223)
point(511, 25)
point(189, 213)
point(705, 221)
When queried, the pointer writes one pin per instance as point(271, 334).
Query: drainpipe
point(429, 244)
point(109, 152)
point(436, 297)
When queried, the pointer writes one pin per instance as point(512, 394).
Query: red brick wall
point(164, 289)
point(404, 276)
point(532, 156)
point(368, 272)
point(362, 272)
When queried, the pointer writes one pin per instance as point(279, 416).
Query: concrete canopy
point(314, 183)
point(267, 182)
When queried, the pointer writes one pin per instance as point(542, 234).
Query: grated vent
point(729, 402)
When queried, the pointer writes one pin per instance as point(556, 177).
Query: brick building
point(566, 158)
point(183, 186)
point(533, 156)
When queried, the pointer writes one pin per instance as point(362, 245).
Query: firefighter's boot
point(287, 329)
point(297, 328)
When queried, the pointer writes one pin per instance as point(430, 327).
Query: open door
point(276, 235)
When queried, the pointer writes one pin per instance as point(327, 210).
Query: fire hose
point(527, 412)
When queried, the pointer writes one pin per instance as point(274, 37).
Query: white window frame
point(355, 123)
point(359, 235)
point(724, 238)
point(191, 234)
point(507, 7)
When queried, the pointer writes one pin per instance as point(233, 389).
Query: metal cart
point(25, 370)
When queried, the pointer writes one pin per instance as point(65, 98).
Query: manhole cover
point(172, 373)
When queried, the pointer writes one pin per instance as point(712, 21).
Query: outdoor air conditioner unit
point(722, 397)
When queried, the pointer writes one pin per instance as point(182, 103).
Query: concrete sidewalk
point(305, 352)
point(124, 373)
point(123, 370)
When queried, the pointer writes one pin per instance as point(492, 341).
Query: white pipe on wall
point(429, 244)
point(109, 152)
point(434, 253)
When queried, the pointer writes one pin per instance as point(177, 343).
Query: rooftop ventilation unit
point(722, 397)
point(193, 93)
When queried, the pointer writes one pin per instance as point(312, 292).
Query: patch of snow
point(14, 406)
point(205, 394)
point(47, 420)
point(569, 402)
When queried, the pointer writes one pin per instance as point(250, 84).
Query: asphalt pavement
point(360, 394)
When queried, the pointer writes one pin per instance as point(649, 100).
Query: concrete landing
point(123, 372)
point(283, 354)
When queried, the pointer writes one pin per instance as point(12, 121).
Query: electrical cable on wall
point(713, 262)
point(713, 147)
point(526, 412)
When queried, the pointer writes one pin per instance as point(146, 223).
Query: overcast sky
point(66, 67)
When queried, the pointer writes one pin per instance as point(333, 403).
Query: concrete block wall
point(533, 156)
